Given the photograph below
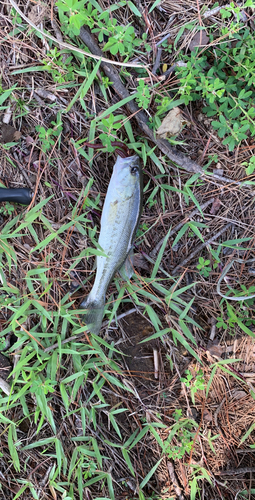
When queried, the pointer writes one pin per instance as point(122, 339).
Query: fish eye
point(133, 170)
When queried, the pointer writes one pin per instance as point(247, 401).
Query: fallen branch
point(234, 472)
point(175, 156)
point(214, 11)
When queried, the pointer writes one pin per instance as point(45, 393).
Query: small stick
point(213, 12)
point(211, 178)
point(246, 450)
point(157, 61)
point(213, 329)
point(155, 357)
point(172, 68)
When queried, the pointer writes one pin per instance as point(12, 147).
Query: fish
point(119, 222)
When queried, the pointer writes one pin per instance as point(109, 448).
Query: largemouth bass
point(120, 218)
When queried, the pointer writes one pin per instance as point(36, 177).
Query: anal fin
point(127, 269)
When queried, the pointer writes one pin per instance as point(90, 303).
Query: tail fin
point(94, 314)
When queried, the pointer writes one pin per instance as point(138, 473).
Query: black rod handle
point(16, 195)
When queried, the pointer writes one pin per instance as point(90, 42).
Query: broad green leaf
point(41, 442)
point(156, 335)
point(155, 4)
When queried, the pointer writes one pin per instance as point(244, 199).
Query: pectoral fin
point(127, 269)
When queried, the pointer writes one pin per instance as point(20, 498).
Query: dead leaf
point(7, 115)
point(200, 39)
point(139, 357)
point(31, 158)
point(17, 135)
point(236, 394)
point(45, 94)
point(24, 55)
point(78, 424)
point(172, 124)
point(207, 416)
point(26, 240)
point(53, 492)
point(8, 133)
point(74, 285)
point(140, 262)
point(38, 12)
point(29, 140)
point(215, 350)
point(215, 206)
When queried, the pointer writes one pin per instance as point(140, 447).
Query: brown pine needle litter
point(159, 405)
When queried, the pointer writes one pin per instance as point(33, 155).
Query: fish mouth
point(123, 163)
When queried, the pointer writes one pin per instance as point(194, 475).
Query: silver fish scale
point(116, 240)
point(120, 218)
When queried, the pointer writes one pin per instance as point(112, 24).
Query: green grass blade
point(160, 255)
point(147, 478)
point(84, 87)
point(183, 341)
